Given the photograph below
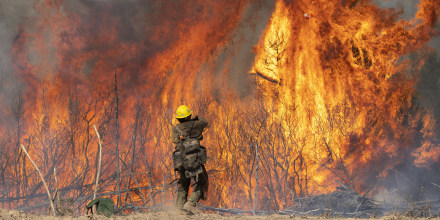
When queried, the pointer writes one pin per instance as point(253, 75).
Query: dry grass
point(170, 214)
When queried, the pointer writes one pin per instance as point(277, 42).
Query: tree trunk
point(118, 177)
point(256, 179)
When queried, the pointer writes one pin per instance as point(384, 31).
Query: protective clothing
point(189, 154)
point(184, 136)
point(200, 190)
point(183, 111)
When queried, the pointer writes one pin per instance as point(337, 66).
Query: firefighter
point(189, 158)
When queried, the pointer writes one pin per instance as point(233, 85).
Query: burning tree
point(328, 101)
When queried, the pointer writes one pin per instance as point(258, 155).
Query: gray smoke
point(12, 15)
point(408, 7)
point(247, 34)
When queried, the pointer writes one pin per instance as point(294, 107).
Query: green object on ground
point(104, 206)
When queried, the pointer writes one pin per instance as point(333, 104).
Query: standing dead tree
point(118, 177)
point(98, 172)
point(256, 179)
point(18, 113)
point(42, 179)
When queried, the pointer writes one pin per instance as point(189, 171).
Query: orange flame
point(331, 99)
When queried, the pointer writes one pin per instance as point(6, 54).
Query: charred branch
point(275, 81)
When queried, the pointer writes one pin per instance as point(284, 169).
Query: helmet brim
point(184, 116)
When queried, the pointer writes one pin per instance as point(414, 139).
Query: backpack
point(104, 206)
point(189, 155)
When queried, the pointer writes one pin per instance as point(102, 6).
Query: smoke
point(12, 14)
point(406, 182)
point(247, 34)
point(408, 7)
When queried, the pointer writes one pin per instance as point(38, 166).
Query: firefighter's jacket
point(191, 129)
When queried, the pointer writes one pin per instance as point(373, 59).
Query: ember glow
point(327, 95)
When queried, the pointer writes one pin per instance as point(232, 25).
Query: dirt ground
point(169, 214)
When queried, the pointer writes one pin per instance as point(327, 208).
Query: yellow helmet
point(183, 111)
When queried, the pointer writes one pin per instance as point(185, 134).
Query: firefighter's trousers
point(199, 189)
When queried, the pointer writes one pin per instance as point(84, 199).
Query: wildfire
point(340, 73)
point(331, 98)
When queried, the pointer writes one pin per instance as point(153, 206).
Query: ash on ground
point(350, 204)
point(337, 204)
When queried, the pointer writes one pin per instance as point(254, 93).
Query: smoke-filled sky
point(12, 14)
